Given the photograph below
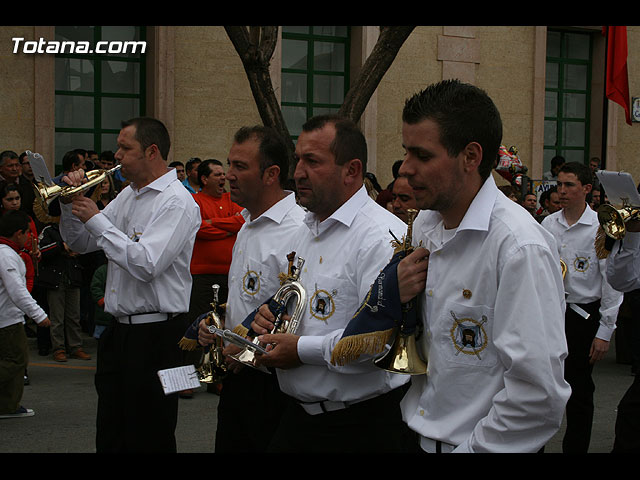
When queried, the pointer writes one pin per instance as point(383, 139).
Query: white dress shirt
point(494, 331)
point(343, 256)
point(258, 257)
point(586, 279)
point(15, 299)
point(623, 263)
point(147, 236)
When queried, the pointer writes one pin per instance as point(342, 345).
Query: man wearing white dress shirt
point(592, 304)
point(345, 242)
point(488, 276)
point(147, 234)
point(258, 169)
point(623, 273)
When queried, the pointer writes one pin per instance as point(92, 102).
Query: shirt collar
point(344, 214)
point(160, 183)
point(276, 212)
point(478, 215)
point(587, 217)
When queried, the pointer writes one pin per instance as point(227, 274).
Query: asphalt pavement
point(64, 400)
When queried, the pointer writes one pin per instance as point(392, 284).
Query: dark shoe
point(60, 356)
point(26, 379)
point(21, 412)
point(80, 355)
point(43, 351)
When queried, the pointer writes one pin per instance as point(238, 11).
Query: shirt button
point(430, 293)
point(421, 412)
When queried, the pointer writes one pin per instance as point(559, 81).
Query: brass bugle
point(403, 356)
point(47, 193)
point(613, 220)
point(290, 291)
point(213, 367)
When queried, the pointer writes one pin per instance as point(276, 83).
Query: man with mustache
point(346, 242)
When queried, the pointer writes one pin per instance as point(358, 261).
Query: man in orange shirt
point(221, 221)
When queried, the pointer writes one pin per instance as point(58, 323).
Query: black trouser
point(628, 418)
point(580, 333)
point(370, 426)
point(249, 411)
point(134, 414)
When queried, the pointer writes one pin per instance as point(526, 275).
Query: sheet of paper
point(620, 188)
point(177, 379)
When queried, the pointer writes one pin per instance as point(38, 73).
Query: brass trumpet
point(213, 367)
point(403, 356)
point(613, 221)
point(290, 290)
point(47, 191)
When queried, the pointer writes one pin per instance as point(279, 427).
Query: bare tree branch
point(255, 46)
point(378, 62)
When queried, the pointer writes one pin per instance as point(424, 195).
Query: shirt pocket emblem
point(251, 282)
point(469, 335)
point(322, 304)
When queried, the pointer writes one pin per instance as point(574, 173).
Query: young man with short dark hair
point(15, 303)
point(592, 304)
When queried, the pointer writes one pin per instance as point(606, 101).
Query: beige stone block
point(458, 49)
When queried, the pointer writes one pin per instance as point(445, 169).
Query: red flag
point(617, 78)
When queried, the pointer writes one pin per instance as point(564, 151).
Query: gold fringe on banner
point(350, 348)
point(188, 344)
point(241, 330)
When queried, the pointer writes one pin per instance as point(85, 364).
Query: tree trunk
point(255, 46)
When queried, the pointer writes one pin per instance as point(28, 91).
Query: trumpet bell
point(613, 220)
point(403, 357)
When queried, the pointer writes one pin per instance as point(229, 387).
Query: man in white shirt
point(258, 168)
point(623, 273)
point(345, 242)
point(488, 276)
point(147, 234)
point(592, 304)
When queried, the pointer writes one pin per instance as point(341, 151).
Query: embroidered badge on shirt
point(322, 305)
point(135, 236)
point(251, 282)
point(581, 264)
point(468, 335)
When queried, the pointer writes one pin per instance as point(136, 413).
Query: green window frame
point(567, 95)
point(315, 72)
point(95, 91)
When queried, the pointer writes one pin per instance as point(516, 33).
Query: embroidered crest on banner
point(468, 335)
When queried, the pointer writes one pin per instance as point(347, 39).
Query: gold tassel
point(188, 344)
point(241, 330)
point(350, 348)
point(601, 251)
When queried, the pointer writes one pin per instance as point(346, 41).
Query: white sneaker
point(21, 412)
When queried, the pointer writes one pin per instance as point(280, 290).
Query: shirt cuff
point(310, 350)
point(605, 332)
point(97, 224)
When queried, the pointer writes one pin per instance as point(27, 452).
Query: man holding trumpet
point(147, 234)
point(345, 243)
point(491, 289)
